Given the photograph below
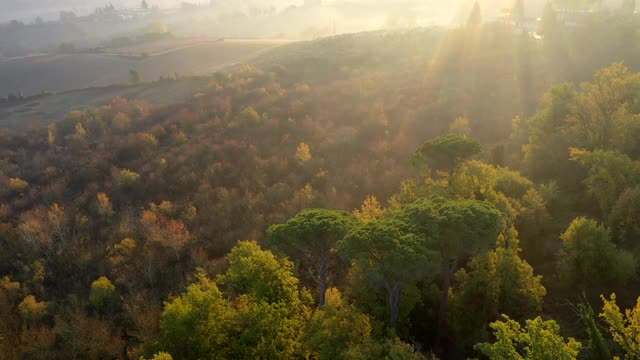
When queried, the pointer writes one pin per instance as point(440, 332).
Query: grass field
point(187, 57)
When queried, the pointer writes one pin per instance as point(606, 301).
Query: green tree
point(260, 275)
point(598, 347)
point(134, 77)
point(546, 156)
point(392, 348)
point(499, 282)
point(259, 314)
point(102, 293)
point(389, 257)
point(310, 239)
point(334, 328)
point(539, 340)
point(251, 115)
point(447, 153)
point(126, 178)
point(196, 324)
point(455, 229)
point(610, 174)
point(624, 219)
point(589, 259)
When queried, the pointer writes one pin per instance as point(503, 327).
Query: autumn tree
point(369, 211)
point(104, 206)
point(539, 340)
point(310, 239)
point(32, 310)
point(48, 230)
point(460, 126)
point(624, 327)
point(80, 335)
point(303, 153)
point(169, 233)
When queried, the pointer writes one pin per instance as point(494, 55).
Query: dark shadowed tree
point(517, 13)
point(456, 229)
point(390, 257)
point(475, 18)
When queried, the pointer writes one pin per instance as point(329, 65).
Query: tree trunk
point(323, 281)
point(322, 287)
point(394, 303)
point(448, 268)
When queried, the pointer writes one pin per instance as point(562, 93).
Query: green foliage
point(390, 257)
point(251, 115)
point(598, 347)
point(334, 329)
point(466, 227)
point(539, 340)
point(102, 293)
point(390, 349)
point(589, 259)
point(310, 239)
point(126, 178)
point(624, 219)
point(610, 174)
point(446, 153)
point(260, 315)
point(260, 275)
point(454, 228)
point(193, 324)
point(499, 282)
point(546, 156)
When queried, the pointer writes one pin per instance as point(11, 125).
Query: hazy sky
point(49, 9)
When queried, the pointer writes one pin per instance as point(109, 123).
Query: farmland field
point(186, 57)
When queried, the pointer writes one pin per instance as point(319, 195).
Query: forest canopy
point(467, 208)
